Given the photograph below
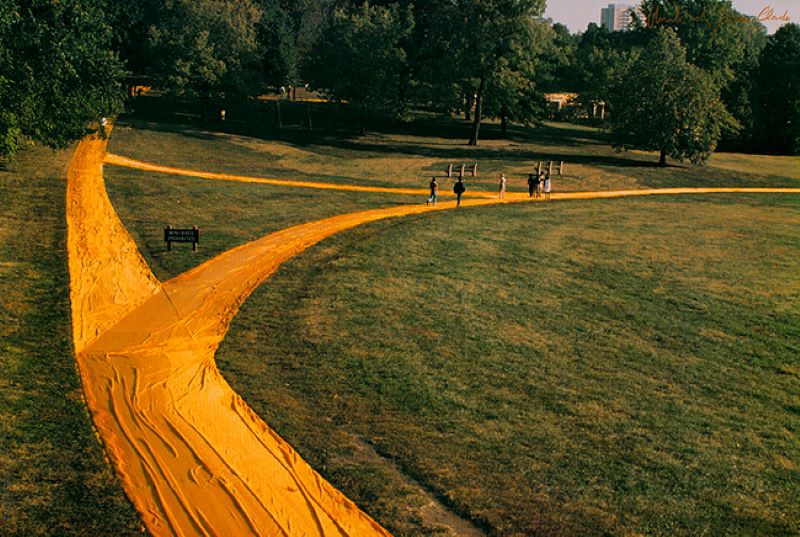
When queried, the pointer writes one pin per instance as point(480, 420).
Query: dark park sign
point(182, 235)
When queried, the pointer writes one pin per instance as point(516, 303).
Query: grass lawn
point(407, 155)
point(624, 367)
point(227, 213)
point(55, 479)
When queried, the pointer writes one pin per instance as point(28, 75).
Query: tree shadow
point(430, 135)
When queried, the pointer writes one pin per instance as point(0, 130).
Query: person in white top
point(547, 186)
point(503, 182)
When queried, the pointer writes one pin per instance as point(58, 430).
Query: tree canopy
point(779, 91)
point(58, 71)
point(666, 104)
point(61, 65)
point(203, 47)
point(359, 58)
point(492, 43)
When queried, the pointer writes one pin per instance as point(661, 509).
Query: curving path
point(193, 457)
point(117, 160)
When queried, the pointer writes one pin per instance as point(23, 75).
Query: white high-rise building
point(616, 16)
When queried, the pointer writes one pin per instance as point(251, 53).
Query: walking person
point(103, 124)
point(547, 186)
point(458, 190)
point(434, 186)
point(503, 182)
point(532, 184)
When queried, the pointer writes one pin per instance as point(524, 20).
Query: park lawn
point(55, 477)
point(408, 155)
point(621, 366)
point(590, 367)
point(227, 213)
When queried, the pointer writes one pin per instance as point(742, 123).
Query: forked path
point(193, 457)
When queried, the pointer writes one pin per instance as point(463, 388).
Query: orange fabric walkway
point(117, 160)
point(193, 457)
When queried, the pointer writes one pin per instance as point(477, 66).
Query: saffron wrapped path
point(192, 456)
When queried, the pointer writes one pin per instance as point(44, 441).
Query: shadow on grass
point(334, 124)
point(430, 135)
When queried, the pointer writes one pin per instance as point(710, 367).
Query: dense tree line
point(690, 75)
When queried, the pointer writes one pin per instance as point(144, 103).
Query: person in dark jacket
point(531, 185)
point(458, 190)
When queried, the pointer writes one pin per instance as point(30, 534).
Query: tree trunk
point(662, 160)
point(504, 125)
point(476, 122)
point(204, 108)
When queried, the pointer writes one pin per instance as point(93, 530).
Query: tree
point(287, 33)
point(278, 45)
point(130, 22)
point(488, 37)
point(666, 104)
point(723, 42)
point(57, 71)
point(204, 48)
point(779, 90)
point(359, 59)
point(715, 35)
point(739, 94)
point(511, 92)
point(485, 54)
point(558, 70)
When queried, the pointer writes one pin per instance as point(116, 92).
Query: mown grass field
point(596, 367)
point(54, 479)
point(407, 155)
point(228, 214)
point(623, 367)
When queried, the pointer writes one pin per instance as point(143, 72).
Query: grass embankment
point(55, 479)
point(626, 366)
point(407, 155)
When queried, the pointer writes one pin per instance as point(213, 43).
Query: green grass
point(55, 479)
point(623, 367)
point(227, 213)
point(407, 155)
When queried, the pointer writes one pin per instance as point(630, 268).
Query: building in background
point(617, 17)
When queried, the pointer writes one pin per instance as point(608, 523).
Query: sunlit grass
point(409, 155)
point(55, 479)
point(624, 367)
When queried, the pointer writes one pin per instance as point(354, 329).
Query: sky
point(577, 14)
